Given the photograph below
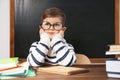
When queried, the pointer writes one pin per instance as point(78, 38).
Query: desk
point(96, 72)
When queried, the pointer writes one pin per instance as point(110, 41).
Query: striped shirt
point(55, 52)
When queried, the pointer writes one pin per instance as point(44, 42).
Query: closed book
point(62, 70)
point(8, 63)
point(30, 72)
point(113, 68)
point(113, 74)
point(17, 71)
point(116, 53)
point(112, 53)
point(115, 47)
point(20, 71)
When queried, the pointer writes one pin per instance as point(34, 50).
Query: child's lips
point(51, 32)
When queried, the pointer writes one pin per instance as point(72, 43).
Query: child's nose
point(51, 27)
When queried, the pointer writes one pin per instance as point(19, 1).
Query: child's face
point(55, 24)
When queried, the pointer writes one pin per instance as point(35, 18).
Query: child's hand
point(44, 35)
point(61, 32)
point(41, 31)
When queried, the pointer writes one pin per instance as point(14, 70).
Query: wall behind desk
point(4, 29)
point(90, 24)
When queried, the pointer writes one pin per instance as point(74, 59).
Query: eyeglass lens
point(56, 26)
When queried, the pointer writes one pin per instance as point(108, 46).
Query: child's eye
point(47, 24)
point(56, 25)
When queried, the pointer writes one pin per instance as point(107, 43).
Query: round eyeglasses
point(57, 26)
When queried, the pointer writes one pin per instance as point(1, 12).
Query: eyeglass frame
point(41, 25)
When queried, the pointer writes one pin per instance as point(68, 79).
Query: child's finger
point(61, 32)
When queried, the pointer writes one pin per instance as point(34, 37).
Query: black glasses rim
point(54, 23)
point(49, 28)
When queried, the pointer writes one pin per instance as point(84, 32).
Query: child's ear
point(64, 28)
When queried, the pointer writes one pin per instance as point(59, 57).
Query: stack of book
point(113, 64)
point(10, 68)
point(8, 63)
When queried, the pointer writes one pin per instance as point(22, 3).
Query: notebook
point(62, 70)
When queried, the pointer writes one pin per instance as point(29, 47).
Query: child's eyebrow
point(53, 23)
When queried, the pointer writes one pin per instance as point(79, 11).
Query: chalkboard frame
point(12, 33)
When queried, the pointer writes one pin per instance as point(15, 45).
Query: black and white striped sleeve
point(64, 51)
point(38, 51)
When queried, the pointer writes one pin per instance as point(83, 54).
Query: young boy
point(52, 48)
